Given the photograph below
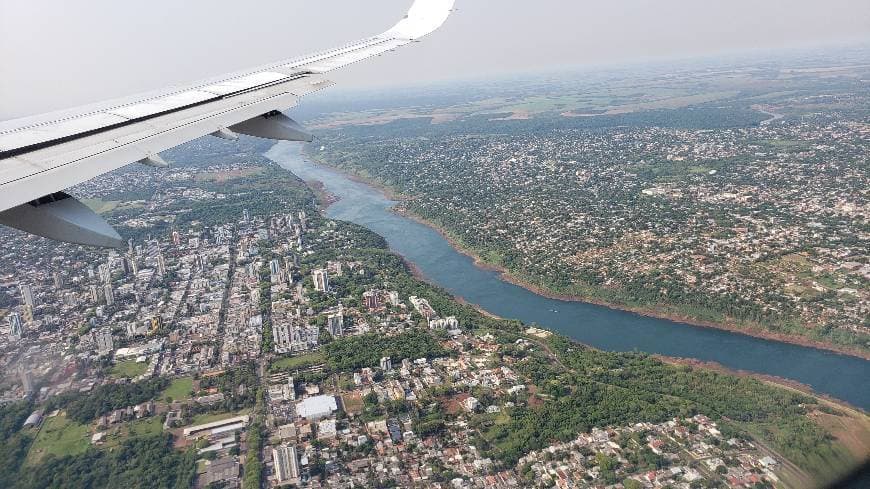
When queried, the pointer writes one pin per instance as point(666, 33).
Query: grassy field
point(101, 206)
point(300, 361)
point(178, 389)
point(59, 436)
point(353, 403)
point(221, 177)
point(128, 369)
point(141, 427)
point(209, 417)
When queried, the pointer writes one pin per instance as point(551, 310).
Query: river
point(840, 376)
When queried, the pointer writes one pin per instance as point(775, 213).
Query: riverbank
point(731, 328)
point(324, 198)
point(769, 379)
point(505, 275)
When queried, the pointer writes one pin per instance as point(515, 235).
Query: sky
point(57, 54)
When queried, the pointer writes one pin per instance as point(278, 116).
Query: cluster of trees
point(274, 187)
point(589, 404)
point(84, 408)
point(139, 462)
point(603, 388)
point(252, 478)
point(266, 300)
point(355, 352)
point(13, 450)
point(239, 386)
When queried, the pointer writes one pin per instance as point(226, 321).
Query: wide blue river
point(840, 376)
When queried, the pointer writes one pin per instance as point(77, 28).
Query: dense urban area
point(242, 339)
point(734, 197)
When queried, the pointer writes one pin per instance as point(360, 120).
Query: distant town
point(734, 197)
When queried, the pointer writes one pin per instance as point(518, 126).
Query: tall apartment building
point(110, 295)
point(26, 294)
point(16, 328)
point(321, 280)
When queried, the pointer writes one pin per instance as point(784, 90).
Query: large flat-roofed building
point(316, 407)
point(286, 463)
point(217, 427)
point(224, 470)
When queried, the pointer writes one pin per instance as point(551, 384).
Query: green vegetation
point(667, 210)
point(128, 369)
point(134, 429)
point(804, 443)
point(211, 417)
point(59, 436)
point(84, 408)
point(600, 389)
point(13, 450)
point(149, 461)
point(101, 206)
point(224, 176)
point(253, 476)
point(238, 386)
point(355, 352)
point(179, 389)
point(297, 362)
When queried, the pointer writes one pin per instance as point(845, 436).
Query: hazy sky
point(59, 53)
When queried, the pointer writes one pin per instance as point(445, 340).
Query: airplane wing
point(43, 155)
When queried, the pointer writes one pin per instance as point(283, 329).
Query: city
point(724, 199)
point(251, 342)
point(604, 245)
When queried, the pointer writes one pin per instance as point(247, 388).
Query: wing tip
point(424, 17)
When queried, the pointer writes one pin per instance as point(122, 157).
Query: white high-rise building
point(286, 463)
point(161, 265)
point(386, 364)
point(16, 328)
point(27, 294)
point(275, 271)
point(321, 280)
point(372, 299)
point(450, 322)
point(335, 323)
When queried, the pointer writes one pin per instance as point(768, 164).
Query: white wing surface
point(42, 155)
